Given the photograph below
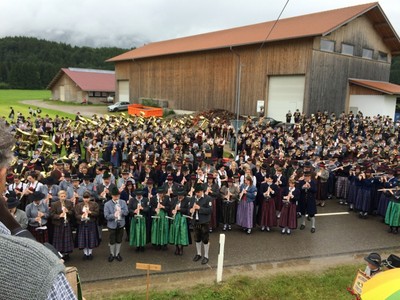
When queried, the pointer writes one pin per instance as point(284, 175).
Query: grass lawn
point(11, 98)
point(329, 284)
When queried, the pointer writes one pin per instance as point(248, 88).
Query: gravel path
point(84, 110)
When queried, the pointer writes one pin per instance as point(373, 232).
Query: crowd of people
point(157, 180)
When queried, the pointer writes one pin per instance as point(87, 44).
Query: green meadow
point(14, 98)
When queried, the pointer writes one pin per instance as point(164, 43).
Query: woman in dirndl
point(61, 213)
point(138, 209)
point(86, 213)
point(37, 213)
point(290, 198)
point(392, 217)
point(247, 196)
point(159, 205)
point(179, 229)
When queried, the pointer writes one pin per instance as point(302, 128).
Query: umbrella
point(384, 285)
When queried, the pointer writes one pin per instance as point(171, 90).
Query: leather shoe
point(302, 227)
point(204, 261)
point(110, 258)
point(197, 257)
point(118, 257)
point(312, 230)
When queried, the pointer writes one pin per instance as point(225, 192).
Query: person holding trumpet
point(201, 209)
point(138, 209)
point(115, 212)
point(179, 229)
point(159, 205)
point(60, 214)
point(86, 213)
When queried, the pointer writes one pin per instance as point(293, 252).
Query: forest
point(31, 63)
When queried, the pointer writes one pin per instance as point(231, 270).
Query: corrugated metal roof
point(89, 79)
point(380, 86)
point(316, 24)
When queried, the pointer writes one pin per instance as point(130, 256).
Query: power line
point(273, 26)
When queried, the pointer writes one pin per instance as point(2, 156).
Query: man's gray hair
point(6, 143)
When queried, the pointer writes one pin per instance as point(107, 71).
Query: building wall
point(204, 80)
point(70, 89)
point(330, 72)
point(371, 105)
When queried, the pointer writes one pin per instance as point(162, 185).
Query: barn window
point(347, 49)
point(382, 56)
point(327, 45)
point(367, 53)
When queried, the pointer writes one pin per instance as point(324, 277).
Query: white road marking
point(333, 214)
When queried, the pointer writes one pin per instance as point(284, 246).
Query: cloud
point(129, 23)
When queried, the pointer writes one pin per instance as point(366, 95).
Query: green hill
point(30, 63)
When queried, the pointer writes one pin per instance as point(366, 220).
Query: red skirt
point(268, 214)
point(288, 216)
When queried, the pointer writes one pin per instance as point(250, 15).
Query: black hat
point(114, 191)
point(198, 188)
point(180, 192)
point(125, 171)
point(36, 196)
point(138, 192)
point(86, 177)
point(67, 174)
point(393, 261)
point(12, 202)
point(86, 194)
point(106, 175)
point(160, 190)
point(75, 178)
point(50, 180)
point(374, 259)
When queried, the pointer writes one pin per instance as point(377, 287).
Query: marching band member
point(18, 214)
point(322, 176)
point(211, 189)
point(269, 191)
point(139, 209)
point(86, 213)
point(160, 224)
point(18, 187)
point(61, 213)
point(364, 195)
point(179, 229)
point(290, 198)
point(247, 196)
point(201, 209)
point(115, 211)
point(389, 182)
point(37, 213)
point(230, 194)
point(307, 202)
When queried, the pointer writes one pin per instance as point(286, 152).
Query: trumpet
point(64, 213)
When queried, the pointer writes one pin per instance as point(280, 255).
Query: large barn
point(82, 85)
point(310, 62)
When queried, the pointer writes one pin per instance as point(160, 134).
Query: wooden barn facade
point(305, 64)
point(82, 85)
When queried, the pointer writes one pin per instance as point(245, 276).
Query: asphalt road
point(343, 233)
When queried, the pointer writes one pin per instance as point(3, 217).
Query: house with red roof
point(83, 85)
point(319, 61)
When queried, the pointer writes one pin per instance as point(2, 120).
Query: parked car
point(119, 106)
point(267, 120)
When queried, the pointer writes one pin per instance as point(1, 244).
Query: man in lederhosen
point(201, 215)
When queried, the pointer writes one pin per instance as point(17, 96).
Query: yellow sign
point(151, 267)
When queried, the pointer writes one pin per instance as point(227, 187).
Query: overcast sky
point(131, 23)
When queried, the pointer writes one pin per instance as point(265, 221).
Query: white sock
point(198, 248)
point(89, 251)
point(288, 230)
point(303, 220)
point(206, 248)
point(85, 251)
point(313, 222)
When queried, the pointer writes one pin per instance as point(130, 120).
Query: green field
point(12, 98)
point(328, 284)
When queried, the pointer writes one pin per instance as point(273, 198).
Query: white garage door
point(285, 93)
point(123, 90)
